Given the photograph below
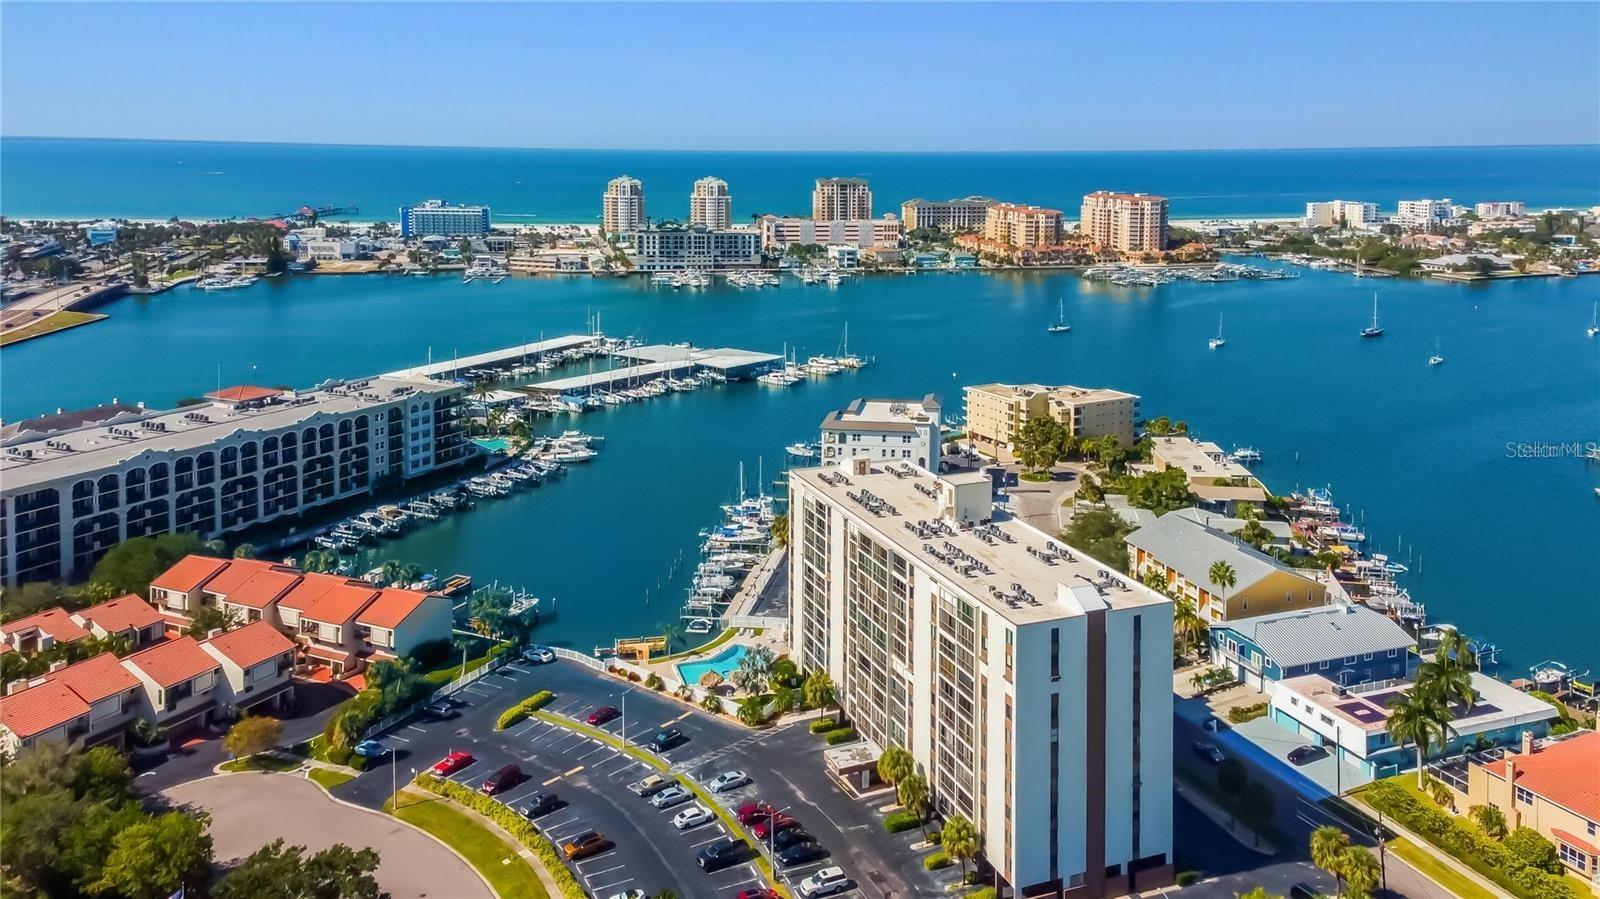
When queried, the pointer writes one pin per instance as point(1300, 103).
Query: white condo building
point(778, 232)
point(1031, 684)
point(883, 430)
point(694, 248)
point(1502, 209)
point(622, 207)
point(432, 217)
point(75, 484)
point(711, 205)
point(1423, 213)
point(841, 199)
point(1351, 214)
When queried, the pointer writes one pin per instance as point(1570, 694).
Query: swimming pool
point(722, 663)
point(494, 445)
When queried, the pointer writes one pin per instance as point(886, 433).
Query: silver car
point(728, 780)
point(670, 797)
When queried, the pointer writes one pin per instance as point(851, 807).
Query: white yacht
point(1374, 329)
point(1435, 359)
point(1594, 321)
point(802, 450)
point(1217, 342)
point(1060, 326)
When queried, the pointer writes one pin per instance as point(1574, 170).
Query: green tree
point(252, 735)
point(1328, 845)
point(711, 703)
point(819, 690)
point(912, 792)
point(277, 870)
point(209, 618)
point(1102, 534)
point(1360, 871)
point(1533, 849)
point(155, 858)
point(131, 565)
point(1040, 443)
point(780, 530)
point(20, 602)
point(1421, 718)
point(752, 710)
point(1160, 491)
point(895, 764)
point(244, 551)
point(1490, 820)
point(1222, 575)
point(1188, 624)
point(960, 840)
point(1089, 490)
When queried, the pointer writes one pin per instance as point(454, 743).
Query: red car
point(602, 715)
point(452, 763)
point(758, 894)
point(751, 812)
point(768, 826)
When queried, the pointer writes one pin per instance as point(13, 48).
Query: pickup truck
point(651, 785)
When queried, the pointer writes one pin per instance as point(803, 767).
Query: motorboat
point(1245, 454)
point(802, 450)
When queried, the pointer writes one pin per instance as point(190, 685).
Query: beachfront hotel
point(1125, 222)
point(1031, 685)
point(965, 214)
point(996, 413)
point(711, 205)
point(1020, 225)
point(436, 217)
point(622, 207)
point(76, 484)
point(841, 200)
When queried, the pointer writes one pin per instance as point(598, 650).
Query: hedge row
point(519, 712)
point(933, 861)
point(841, 735)
point(511, 822)
point(1468, 844)
point(823, 725)
point(900, 822)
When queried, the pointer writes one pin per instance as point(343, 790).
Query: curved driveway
point(250, 810)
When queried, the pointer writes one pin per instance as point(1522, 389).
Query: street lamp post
point(394, 779)
point(1383, 854)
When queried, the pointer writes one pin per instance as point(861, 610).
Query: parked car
point(751, 812)
point(539, 804)
point(590, 842)
point(370, 749)
point(538, 655)
point(728, 780)
point(801, 854)
point(627, 894)
point(757, 893)
point(1302, 754)
point(601, 715)
point(1209, 752)
point(720, 855)
point(452, 763)
point(767, 827)
point(504, 778)
point(825, 882)
point(671, 796)
point(793, 836)
point(439, 710)
point(693, 816)
point(667, 739)
point(651, 785)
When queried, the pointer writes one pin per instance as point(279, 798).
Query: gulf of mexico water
point(62, 178)
point(1450, 468)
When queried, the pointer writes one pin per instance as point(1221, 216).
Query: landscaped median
point(483, 849)
point(735, 829)
point(520, 712)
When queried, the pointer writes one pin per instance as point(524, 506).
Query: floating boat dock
point(662, 361)
point(453, 368)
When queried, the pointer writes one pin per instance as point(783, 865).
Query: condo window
point(1055, 658)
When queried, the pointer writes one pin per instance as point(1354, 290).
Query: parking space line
point(599, 748)
point(704, 842)
point(415, 728)
point(602, 889)
point(401, 739)
point(606, 871)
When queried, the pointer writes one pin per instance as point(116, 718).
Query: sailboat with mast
point(1374, 329)
point(1435, 359)
point(1061, 325)
point(1594, 320)
point(1217, 342)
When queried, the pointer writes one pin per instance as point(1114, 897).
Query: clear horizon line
point(404, 146)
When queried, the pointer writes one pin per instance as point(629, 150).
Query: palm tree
point(1328, 844)
point(1446, 682)
point(1221, 574)
point(819, 690)
point(1421, 717)
point(1455, 649)
point(391, 572)
point(780, 530)
point(895, 765)
point(912, 791)
point(482, 390)
point(960, 841)
point(1186, 620)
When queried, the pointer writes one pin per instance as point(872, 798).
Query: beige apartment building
point(841, 200)
point(1031, 686)
point(1550, 786)
point(997, 412)
point(1125, 222)
point(711, 205)
point(1022, 226)
point(965, 214)
point(622, 207)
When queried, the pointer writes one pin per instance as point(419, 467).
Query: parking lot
point(590, 780)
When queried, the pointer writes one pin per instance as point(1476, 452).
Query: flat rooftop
point(1498, 705)
point(720, 358)
point(1198, 459)
point(35, 457)
point(450, 367)
point(885, 414)
point(1014, 553)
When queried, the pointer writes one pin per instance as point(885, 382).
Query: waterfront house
point(1183, 551)
point(1348, 644)
point(85, 704)
point(1218, 481)
point(1551, 786)
point(1352, 721)
point(180, 683)
point(397, 621)
point(256, 665)
point(326, 628)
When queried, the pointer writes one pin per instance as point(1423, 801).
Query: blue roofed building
point(1346, 643)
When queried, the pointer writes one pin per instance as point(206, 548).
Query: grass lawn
point(509, 875)
point(261, 763)
point(46, 324)
point(1038, 477)
point(1442, 874)
point(330, 778)
point(721, 638)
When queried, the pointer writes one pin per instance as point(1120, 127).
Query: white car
point(728, 780)
point(628, 894)
point(825, 882)
point(693, 816)
point(670, 797)
point(538, 655)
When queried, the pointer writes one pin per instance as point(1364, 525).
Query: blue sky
point(968, 76)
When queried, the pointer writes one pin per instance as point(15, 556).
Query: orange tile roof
point(229, 579)
point(189, 573)
point(264, 587)
point(313, 587)
point(391, 607)
point(252, 644)
point(1574, 841)
point(341, 603)
point(37, 709)
point(120, 614)
point(96, 678)
point(54, 622)
point(1566, 773)
point(242, 393)
point(173, 662)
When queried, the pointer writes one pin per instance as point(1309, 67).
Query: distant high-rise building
point(1022, 226)
point(1126, 222)
point(841, 200)
point(966, 214)
point(1353, 214)
point(623, 205)
point(711, 205)
point(1502, 209)
point(1422, 213)
point(438, 217)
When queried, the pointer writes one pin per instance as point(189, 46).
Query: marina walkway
point(451, 367)
point(665, 360)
